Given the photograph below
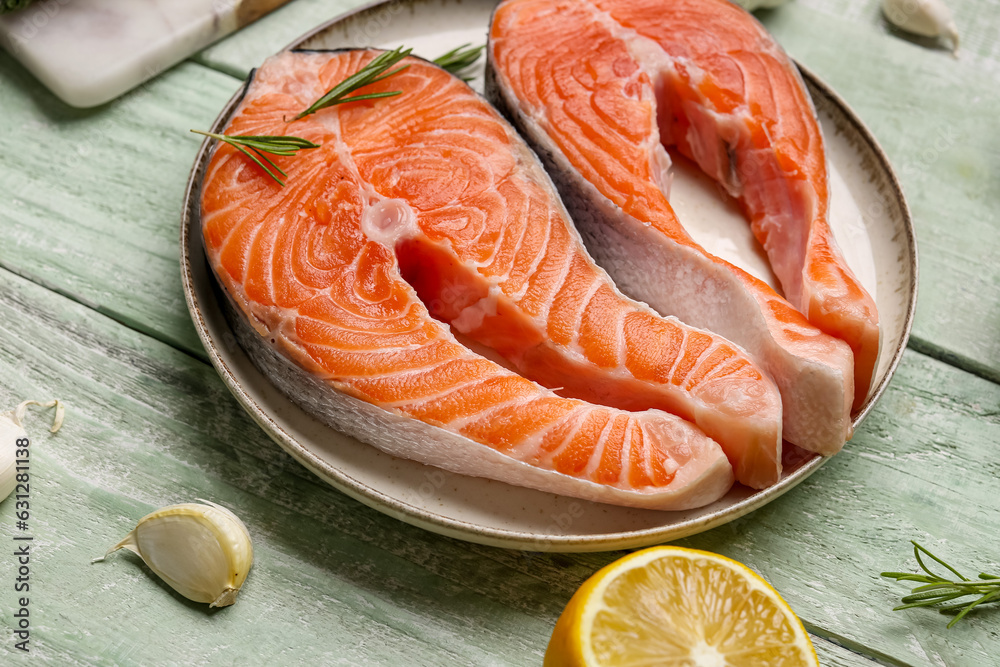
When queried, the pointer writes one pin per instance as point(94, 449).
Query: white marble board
point(89, 52)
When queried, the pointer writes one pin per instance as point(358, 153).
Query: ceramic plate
point(869, 218)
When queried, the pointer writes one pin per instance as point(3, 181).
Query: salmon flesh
point(419, 285)
point(600, 87)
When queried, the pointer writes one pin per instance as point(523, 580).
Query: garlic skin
point(11, 430)
point(751, 5)
point(201, 549)
point(929, 18)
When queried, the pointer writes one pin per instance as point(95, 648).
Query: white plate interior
point(869, 219)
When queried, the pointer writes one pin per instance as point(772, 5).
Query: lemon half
point(670, 606)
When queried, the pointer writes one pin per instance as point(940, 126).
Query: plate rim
point(468, 531)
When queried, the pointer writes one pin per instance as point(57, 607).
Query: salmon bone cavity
point(388, 221)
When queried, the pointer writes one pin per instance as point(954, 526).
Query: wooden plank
point(834, 655)
point(929, 111)
point(91, 200)
point(148, 425)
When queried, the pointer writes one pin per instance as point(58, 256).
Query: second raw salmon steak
point(600, 87)
point(419, 285)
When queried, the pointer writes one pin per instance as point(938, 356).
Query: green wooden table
point(91, 311)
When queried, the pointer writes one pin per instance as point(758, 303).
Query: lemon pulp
point(679, 607)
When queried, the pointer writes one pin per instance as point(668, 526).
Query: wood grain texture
point(91, 200)
point(834, 655)
point(338, 583)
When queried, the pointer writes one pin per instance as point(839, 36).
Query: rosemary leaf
point(375, 70)
point(991, 597)
point(916, 552)
point(937, 590)
point(254, 156)
point(461, 58)
point(255, 147)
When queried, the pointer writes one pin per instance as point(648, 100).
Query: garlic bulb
point(201, 549)
point(12, 438)
point(930, 18)
point(751, 5)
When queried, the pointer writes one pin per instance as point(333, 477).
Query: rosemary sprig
point(376, 70)
point(938, 590)
point(458, 59)
point(255, 146)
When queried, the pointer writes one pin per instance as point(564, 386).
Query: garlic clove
point(928, 18)
point(12, 430)
point(202, 550)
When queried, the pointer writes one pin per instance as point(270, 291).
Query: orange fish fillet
point(599, 88)
point(423, 215)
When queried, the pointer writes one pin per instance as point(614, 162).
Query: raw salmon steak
point(418, 280)
point(599, 88)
